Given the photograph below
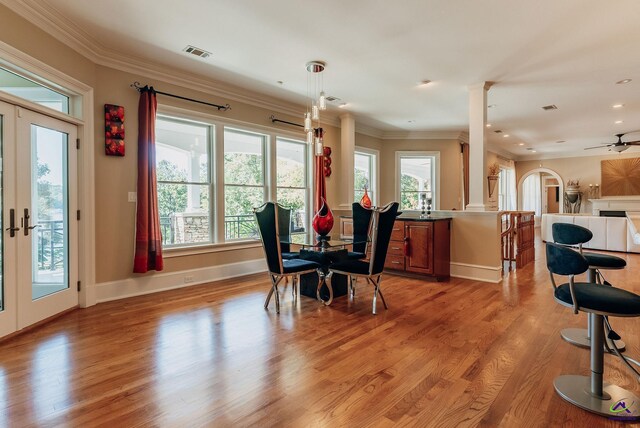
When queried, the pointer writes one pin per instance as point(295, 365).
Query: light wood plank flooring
point(452, 354)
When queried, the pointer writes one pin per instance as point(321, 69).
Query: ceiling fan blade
point(633, 143)
point(599, 147)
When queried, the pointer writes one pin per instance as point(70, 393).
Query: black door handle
point(27, 228)
point(12, 223)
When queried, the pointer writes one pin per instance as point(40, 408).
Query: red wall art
point(327, 161)
point(114, 130)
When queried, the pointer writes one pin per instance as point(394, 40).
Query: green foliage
point(172, 198)
point(408, 200)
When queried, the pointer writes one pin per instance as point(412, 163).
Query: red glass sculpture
point(323, 220)
point(366, 200)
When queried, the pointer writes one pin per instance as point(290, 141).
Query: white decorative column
point(478, 193)
point(347, 156)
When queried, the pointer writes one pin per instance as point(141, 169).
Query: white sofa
point(609, 233)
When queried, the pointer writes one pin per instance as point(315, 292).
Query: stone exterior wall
point(190, 227)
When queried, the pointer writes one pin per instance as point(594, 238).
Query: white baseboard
point(154, 283)
point(476, 272)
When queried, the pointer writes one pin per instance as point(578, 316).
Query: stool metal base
point(580, 337)
point(618, 403)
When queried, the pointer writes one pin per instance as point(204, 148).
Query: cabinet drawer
point(394, 262)
point(396, 248)
point(397, 234)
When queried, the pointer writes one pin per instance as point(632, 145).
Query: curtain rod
point(274, 120)
point(138, 86)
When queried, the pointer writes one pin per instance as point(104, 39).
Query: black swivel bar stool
point(572, 234)
point(598, 301)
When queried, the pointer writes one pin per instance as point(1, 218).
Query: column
point(478, 193)
point(347, 149)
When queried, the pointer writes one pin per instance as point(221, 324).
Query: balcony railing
point(51, 249)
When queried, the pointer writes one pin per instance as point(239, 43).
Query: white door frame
point(82, 108)
point(538, 170)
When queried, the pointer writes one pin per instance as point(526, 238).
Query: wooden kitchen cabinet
point(417, 246)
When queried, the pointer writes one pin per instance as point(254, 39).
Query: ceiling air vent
point(332, 99)
point(498, 131)
point(197, 51)
point(550, 107)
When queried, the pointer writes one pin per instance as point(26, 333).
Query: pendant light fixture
point(317, 102)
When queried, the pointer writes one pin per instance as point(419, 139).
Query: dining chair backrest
point(284, 227)
point(383, 220)
point(361, 227)
point(267, 219)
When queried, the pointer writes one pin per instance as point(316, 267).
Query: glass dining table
point(323, 252)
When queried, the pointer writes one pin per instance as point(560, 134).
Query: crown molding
point(565, 155)
point(46, 17)
point(368, 130)
point(420, 135)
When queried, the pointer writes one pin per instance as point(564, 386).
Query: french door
point(39, 229)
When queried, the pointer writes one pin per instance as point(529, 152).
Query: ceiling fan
point(618, 146)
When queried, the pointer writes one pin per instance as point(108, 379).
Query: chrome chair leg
point(274, 288)
point(380, 292)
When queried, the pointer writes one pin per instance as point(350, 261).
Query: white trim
point(436, 173)
point(482, 273)
point(376, 171)
point(140, 285)
point(420, 135)
point(190, 250)
point(84, 118)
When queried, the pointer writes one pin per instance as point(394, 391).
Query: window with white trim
point(507, 189)
point(252, 167)
point(244, 181)
point(417, 176)
point(365, 174)
point(184, 181)
point(292, 188)
point(22, 87)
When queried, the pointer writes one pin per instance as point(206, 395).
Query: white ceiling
point(569, 53)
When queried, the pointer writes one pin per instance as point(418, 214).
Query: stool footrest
point(580, 337)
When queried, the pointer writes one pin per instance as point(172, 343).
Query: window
point(417, 175)
point(184, 181)
point(32, 91)
point(507, 189)
point(292, 187)
point(204, 165)
point(365, 174)
point(244, 182)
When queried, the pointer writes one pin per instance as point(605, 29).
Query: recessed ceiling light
point(491, 106)
point(424, 82)
point(521, 144)
point(618, 122)
point(560, 141)
point(343, 105)
point(505, 135)
point(533, 151)
point(488, 125)
point(623, 81)
point(617, 105)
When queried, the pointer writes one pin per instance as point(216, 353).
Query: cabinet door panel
point(420, 257)
point(397, 234)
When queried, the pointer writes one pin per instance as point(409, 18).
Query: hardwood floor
point(458, 353)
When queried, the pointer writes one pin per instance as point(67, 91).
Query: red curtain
point(148, 254)
point(321, 187)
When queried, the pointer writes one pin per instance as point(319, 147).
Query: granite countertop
point(415, 217)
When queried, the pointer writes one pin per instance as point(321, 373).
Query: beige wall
point(585, 168)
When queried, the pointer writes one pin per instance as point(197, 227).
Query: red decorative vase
point(323, 220)
point(366, 200)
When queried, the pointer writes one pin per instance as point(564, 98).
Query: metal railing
point(51, 251)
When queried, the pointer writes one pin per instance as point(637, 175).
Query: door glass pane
point(49, 211)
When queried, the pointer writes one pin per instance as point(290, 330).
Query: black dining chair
point(383, 220)
point(575, 235)
point(361, 217)
point(599, 302)
point(284, 231)
point(268, 225)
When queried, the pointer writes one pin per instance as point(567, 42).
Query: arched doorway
point(545, 172)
